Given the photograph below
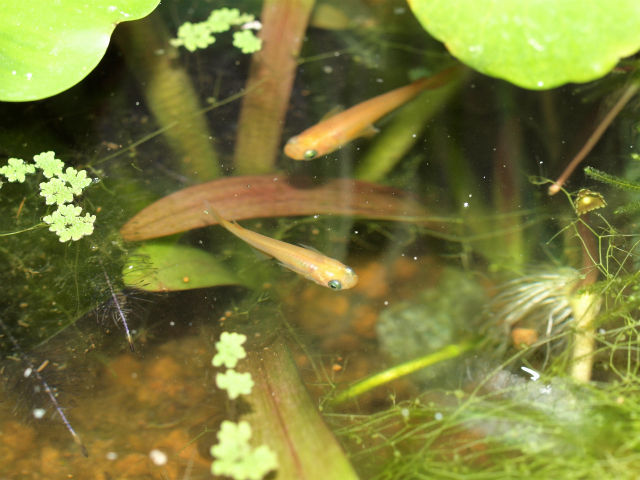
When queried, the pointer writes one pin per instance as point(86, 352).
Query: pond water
point(491, 332)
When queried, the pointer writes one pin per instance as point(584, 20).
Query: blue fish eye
point(310, 154)
point(334, 284)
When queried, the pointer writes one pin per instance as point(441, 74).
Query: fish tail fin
point(439, 79)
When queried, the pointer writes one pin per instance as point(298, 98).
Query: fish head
point(298, 149)
point(336, 276)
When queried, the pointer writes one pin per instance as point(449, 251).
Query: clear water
point(473, 254)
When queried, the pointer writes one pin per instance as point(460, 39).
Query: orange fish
point(309, 263)
point(335, 131)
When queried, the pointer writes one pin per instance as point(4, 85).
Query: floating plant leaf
point(237, 198)
point(229, 350)
point(47, 47)
point(235, 383)
point(535, 45)
point(16, 170)
point(161, 267)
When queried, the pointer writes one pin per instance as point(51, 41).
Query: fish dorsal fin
point(309, 248)
point(333, 112)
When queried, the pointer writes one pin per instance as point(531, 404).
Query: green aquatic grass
point(518, 413)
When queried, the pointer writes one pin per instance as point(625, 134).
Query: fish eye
point(334, 284)
point(310, 154)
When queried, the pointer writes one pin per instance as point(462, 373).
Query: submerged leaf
point(238, 198)
point(161, 267)
point(535, 45)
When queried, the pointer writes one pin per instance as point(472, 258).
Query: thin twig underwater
point(627, 95)
point(32, 370)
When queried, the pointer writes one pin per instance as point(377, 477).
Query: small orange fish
point(335, 131)
point(312, 265)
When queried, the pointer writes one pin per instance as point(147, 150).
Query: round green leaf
point(47, 46)
point(535, 44)
point(161, 267)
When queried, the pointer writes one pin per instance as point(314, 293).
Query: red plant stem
point(593, 139)
point(272, 72)
point(585, 307)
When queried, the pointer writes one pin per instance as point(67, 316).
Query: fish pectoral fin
point(294, 269)
point(368, 131)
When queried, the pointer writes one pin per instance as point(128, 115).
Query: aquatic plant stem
point(398, 371)
point(170, 96)
point(585, 307)
point(629, 92)
point(396, 140)
point(283, 417)
point(7, 234)
point(274, 68)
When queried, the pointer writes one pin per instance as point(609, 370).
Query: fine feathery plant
point(619, 184)
point(193, 36)
point(60, 189)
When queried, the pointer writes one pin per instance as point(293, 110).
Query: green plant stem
point(398, 371)
point(507, 188)
point(170, 96)
point(398, 137)
point(7, 234)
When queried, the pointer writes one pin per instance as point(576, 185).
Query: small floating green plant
point(234, 455)
point(194, 36)
point(61, 188)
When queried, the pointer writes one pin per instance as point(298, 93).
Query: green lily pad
point(162, 267)
point(48, 46)
point(535, 44)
